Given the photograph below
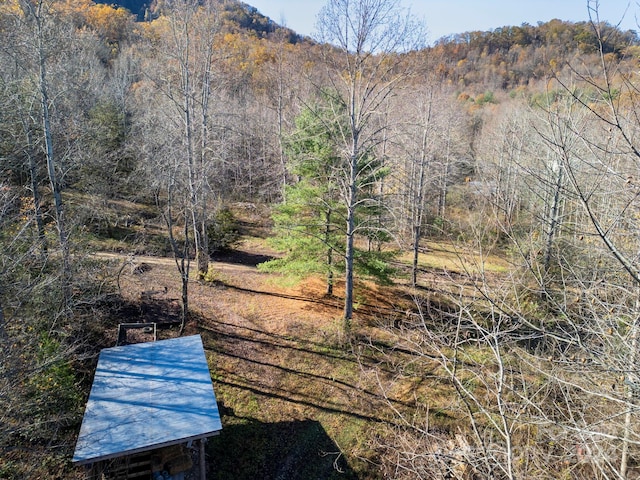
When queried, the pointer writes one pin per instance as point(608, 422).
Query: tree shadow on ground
point(227, 347)
point(240, 257)
point(284, 451)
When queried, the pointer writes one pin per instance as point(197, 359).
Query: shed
point(147, 397)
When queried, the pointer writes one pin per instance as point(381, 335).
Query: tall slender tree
point(188, 82)
point(363, 40)
point(176, 149)
point(40, 27)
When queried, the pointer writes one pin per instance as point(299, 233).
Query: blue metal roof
point(146, 396)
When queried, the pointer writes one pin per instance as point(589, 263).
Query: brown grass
point(280, 361)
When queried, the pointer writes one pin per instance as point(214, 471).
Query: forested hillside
point(460, 219)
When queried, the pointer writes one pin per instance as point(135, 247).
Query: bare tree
point(579, 293)
point(173, 105)
point(188, 82)
point(40, 25)
point(428, 149)
point(543, 357)
point(363, 41)
point(276, 85)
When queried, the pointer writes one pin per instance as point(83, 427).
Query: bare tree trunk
point(203, 252)
point(350, 248)
point(194, 201)
point(35, 193)
point(194, 26)
point(419, 205)
point(280, 110)
point(327, 238)
point(554, 217)
point(631, 380)
point(184, 277)
point(36, 12)
point(352, 201)
point(3, 333)
point(180, 256)
point(444, 178)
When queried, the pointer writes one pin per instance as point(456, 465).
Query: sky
point(446, 17)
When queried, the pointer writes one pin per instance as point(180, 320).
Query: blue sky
point(444, 17)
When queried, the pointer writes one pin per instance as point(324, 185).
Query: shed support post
point(203, 463)
point(93, 471)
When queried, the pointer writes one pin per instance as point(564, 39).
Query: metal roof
point(146, 396)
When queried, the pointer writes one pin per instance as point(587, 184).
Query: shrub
point(223, 230)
